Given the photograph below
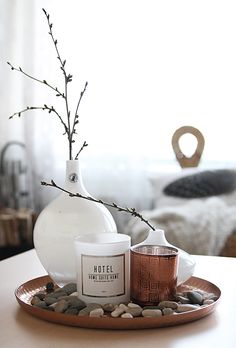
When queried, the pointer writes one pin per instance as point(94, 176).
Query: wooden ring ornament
point(193, 161)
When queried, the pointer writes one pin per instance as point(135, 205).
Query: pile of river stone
point(65, 300)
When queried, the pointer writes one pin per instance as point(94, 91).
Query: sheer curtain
point(151, 66)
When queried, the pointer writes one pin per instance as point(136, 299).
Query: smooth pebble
point(98, 312)
point(208, 302)
point(183, 299)
point(133, 305)
point(108, 307)
point(168, 304)
point(50, 300)
point(167, 311)
point(56, 294)
point(41, 304)
point(152, 313)
point(119, 310)
point(69, 288)
point(135, 312)
point(74, 302)
point(86, 310)
point(74, 294)
point(72, 311)
point(186, 307)
point(127, 315)
point(35, 300)
point(41, 295)
point(66, 300)
point(195, 297)
point(61, 306)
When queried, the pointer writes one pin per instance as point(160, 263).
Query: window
point(152, 66)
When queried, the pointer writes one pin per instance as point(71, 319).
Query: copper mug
point(153, 274)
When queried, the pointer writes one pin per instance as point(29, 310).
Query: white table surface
point(20, 329)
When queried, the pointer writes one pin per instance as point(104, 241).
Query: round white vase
point(186, 263)
point(64, 219)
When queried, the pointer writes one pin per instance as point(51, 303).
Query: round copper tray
point(25, 292)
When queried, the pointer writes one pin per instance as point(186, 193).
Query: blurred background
point(151, 66)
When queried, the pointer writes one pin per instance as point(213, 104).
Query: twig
point(67, 78)
point(131, 211)
point(76, 116)
point(44, 82)
point(45, 107)
point(55, 42)
point(81, 96)
point(82, 147)
point(68, 124)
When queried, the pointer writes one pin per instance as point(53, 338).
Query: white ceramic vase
point(64, 219)
point(186, 263)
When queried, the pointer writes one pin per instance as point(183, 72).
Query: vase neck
point(156, 237)
point(73, 180)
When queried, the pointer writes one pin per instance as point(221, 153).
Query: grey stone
point(186, 308)
point(35, 300)
point(50, 300)
point(167, 311)
point(135, 311)
point(75, 294)
point(108, 307)
point(53, 305)
point(86, 310)
point(56, 294)
point(182, 299)
point(74, 302)
point(133, 305)
point(71, 311)
point(40, 304)
point(208, 302)
point(61, 306)
point(210, 296)
point(97, 313)
point(40, 295)
point(168, 304)
point(152, 313)
point(58, 289)
point(195, 297)
point(69, 288)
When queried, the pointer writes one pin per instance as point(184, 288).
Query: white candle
point(103, 267)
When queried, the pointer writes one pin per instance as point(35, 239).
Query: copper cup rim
point(174, 250)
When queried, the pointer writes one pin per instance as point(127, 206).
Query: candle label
point(103, 276)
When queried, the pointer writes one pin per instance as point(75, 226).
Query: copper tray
point(25, 292)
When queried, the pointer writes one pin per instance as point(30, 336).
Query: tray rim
point(114, 323)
